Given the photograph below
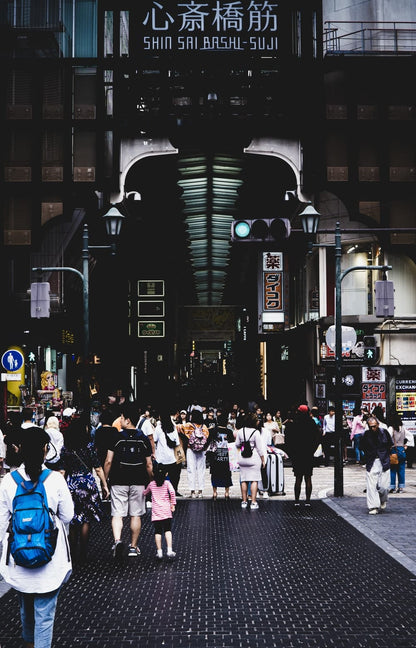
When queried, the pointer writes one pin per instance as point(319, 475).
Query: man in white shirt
point(146, 426)
point(328, 439)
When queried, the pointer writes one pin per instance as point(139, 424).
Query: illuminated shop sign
point(212, 26)
point(271, 283)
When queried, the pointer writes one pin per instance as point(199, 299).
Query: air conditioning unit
point(52, 173)
point(336, 111)
point(53, 111)
point(19, 111)
point(17, 237)
point(367, 112)
point(337, 173)
point(369, 174)
point(402, 174)
point(17, 174)
point(401, 112)
point(84, 174)
point(370, 209)
point(84, 112)
point(50, 210)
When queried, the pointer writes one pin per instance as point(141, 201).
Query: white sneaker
point(200, 494)
point(265, 494)
point(373, 511)
point(243, 504)
point(253, 506)
point(383, 505)
point(171, 555)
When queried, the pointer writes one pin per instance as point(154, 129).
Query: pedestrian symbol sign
point(12, 360)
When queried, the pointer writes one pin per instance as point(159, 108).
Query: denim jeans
point(398, 470)
point(358, 453)
point(37, 613)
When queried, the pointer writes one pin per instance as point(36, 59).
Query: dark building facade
point(185, 118)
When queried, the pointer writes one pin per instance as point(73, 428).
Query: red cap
point(303, 408)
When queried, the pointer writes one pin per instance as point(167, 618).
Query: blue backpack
point(32, 530)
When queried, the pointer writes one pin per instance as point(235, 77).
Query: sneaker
point(193, 494)
point(373, 511)
point(159, 554)
point(253, 506)
point(200, 494)
point(243, 504)
point(400, 490)
point(383, 505)
point(117, 549)
point(171, 555)
point(134, 552)
point(265, 494)
point(297, 505)
point(308, 504)
point(391, 490)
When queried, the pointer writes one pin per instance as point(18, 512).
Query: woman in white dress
point(250, 466)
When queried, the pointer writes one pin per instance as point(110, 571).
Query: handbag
point(318, 452)
point(179, 454)
point(394, 458)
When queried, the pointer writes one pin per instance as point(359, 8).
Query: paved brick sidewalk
point(273, 577)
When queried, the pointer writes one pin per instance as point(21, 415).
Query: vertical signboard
point(406, 402)
point(271, 292)
point(151, 308)
point(373, 387)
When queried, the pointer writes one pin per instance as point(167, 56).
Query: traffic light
point(370, 349)
point(260, 230)
point(40, 299)
point(384, 302)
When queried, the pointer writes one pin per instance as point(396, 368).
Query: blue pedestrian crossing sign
point(12, 360)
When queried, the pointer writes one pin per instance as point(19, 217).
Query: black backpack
point(131, 449)
point(246, 449)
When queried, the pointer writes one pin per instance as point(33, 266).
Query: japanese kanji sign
point(272, 281)
point(373, 391)
point(273, 294)
point(211, 25)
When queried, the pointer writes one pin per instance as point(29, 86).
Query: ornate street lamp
point(310, 220)
point(113, 221)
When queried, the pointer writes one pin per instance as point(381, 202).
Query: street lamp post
point(113, 221)
point(310, 222)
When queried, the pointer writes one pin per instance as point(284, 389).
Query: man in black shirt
point(129, 467)
point(376, 444)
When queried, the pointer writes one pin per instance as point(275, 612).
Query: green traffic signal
point(242, 229)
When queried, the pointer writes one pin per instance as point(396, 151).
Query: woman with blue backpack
point(35, 506)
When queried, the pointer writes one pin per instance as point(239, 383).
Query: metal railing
point(356, 37)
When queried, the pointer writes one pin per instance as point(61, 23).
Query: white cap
point(69, 411)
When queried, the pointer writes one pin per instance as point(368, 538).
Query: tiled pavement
point(272, 577)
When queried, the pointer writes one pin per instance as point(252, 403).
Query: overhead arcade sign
point(210, 26)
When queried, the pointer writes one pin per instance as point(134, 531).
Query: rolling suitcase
point(275, 474)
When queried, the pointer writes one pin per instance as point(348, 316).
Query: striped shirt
point(163, 497)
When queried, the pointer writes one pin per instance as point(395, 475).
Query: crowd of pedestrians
point(133, 456)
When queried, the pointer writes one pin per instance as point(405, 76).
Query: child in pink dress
point(163, 506)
